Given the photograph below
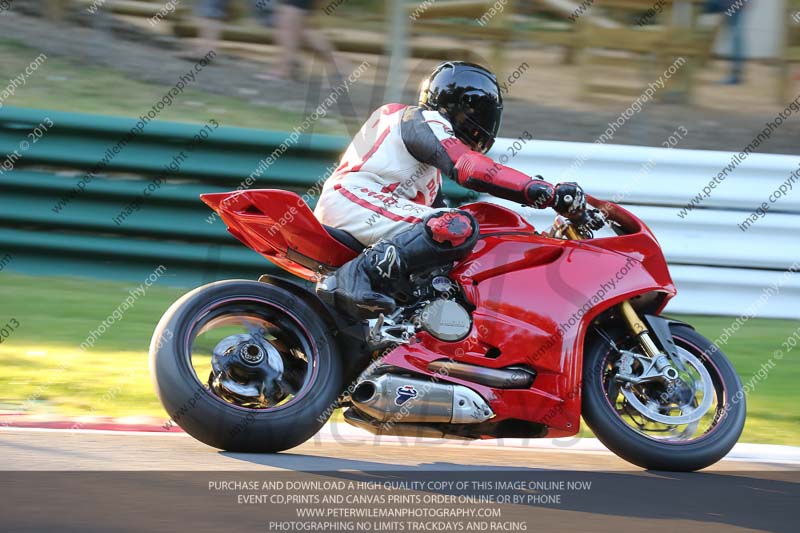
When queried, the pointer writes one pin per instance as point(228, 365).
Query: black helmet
point(468, 96)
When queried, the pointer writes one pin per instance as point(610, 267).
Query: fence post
point(397, 17)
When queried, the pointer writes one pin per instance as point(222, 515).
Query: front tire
point(630, 442)
point(219, 422)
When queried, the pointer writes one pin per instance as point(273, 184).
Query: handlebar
point(588, 220)
point(617, 218)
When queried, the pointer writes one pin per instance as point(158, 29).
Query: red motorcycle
point(529, 333)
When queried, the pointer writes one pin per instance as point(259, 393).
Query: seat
point(345, 238)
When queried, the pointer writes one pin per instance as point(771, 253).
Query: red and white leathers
point(391, 175)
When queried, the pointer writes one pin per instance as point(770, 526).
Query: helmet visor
point(482, 116)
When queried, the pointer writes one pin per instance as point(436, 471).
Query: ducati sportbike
point(529, 333)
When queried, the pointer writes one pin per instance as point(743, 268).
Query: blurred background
point(116, 114)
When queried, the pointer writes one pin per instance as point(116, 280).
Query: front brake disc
point(689, 413)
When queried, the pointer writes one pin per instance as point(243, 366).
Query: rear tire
point(647, 452)
point(213, 421)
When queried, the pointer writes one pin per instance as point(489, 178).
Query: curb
point(146, 424)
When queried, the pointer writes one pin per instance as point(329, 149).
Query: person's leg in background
point(264, 11)
point(734, 22)
point(289, 21)
point(212, 13)
point(736, 26)
point(293, 30)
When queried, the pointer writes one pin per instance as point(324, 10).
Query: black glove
point(593, 219)
point(569, 200)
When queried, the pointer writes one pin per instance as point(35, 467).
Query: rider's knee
point(452, 228)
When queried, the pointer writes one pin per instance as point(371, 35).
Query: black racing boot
point(362, 287)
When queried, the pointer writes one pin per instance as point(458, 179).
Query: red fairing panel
point(534, 299)
point(494, 218)
point(276, 224)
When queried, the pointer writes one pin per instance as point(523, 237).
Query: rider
point(386, 191)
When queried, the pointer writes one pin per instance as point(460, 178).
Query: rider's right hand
point(591, 218)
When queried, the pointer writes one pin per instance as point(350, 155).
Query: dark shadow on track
point(761, 500)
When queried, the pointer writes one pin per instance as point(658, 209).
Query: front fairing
point(638, 241)
point(534, 299)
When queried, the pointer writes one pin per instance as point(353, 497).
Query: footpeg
point(383, 330)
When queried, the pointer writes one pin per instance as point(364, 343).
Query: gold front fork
point(571, 233)
point(639, 329)
point(628, 312)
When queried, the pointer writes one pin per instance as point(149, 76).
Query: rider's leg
point(363, 286)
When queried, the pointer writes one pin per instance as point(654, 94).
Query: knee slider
point(452, 229)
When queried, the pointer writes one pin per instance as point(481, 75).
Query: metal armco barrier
point(718, 268)
point(82, 238)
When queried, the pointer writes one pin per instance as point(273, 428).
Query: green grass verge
point(44, 371)
point(64, 85)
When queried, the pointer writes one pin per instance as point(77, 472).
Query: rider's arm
point(429, 139)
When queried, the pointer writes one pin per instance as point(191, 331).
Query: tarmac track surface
point(125, 481)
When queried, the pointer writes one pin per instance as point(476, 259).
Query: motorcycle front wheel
point(685, 425)
point(245, 366)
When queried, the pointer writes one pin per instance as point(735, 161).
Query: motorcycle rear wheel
point(215, 419)
point(644, 442)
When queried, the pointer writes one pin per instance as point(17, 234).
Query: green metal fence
point(50, 224)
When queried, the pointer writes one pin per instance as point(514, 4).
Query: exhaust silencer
point(406, 400)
